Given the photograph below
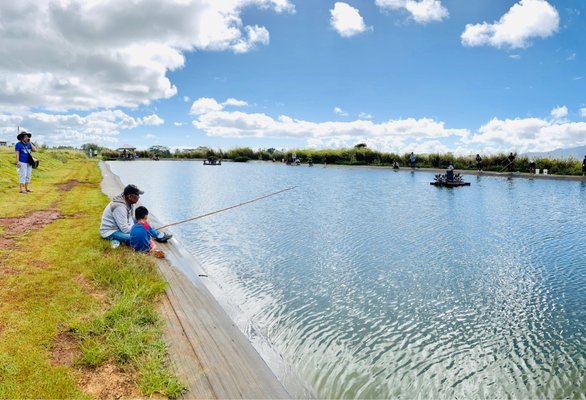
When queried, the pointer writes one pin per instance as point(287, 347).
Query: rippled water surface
point(371, 283)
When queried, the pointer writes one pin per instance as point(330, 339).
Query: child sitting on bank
point(140, 240)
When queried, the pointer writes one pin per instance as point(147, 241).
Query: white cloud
point(80, 54)
point(525, 20)
point(204, 105)
point(346, 20)
point(101, 127)
point(178, 123)
point(152, 120)
point(235, 103)
point(422, 11)
point(392, 135)
point(515, 56)
point(339, 111)
point(150, 136)
point(529, 134)
point(364, 115)
point(423, 135)
point(559, 112)
point(583, 112)
point(186, 99)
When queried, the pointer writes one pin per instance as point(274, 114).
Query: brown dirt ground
point(18, 225)
point(97, 293)
point(108, 382)
point(67, 186)
point(65, 350)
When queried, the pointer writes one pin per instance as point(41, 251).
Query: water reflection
point(373, 284)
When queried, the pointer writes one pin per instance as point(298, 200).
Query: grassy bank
point(78, 319)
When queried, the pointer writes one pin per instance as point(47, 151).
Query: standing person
point(511, 159)
point(117, 219)
point(412, 160)
point(478, 163)
point(584, 167)
point(23, 150)
point(532, 166)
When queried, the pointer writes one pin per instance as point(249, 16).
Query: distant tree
point(161, 151)
point(360, 146)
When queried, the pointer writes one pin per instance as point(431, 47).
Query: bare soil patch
point(65, 350)
point(94, 291)
point(67, 186)
point(6, 243)
point(108, 382)
point(18, 225)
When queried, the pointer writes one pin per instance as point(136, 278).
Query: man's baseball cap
point(132, 189)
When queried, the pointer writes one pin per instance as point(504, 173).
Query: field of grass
point(61, 284)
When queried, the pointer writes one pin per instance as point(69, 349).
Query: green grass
point(51, 278)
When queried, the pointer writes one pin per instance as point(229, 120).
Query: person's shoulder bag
point(33, 162)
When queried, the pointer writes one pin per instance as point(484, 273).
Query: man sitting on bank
point(117, 218)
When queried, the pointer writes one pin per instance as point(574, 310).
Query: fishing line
point(227, 208)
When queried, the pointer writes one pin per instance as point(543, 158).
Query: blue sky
point(400, 75)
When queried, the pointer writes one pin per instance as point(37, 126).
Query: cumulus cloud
point(583, 112)
point(424, 135)
point(204, 105)
point(422, 11)
point(339, 111)
point(364, 115)
point(392, 135)
point(81, 55)
point(528, 134)
point(525, 20)
point(559, 112)
point(235, 103)
point(346, 20)
point(101, 127)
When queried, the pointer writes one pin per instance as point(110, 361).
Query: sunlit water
point(371, 283)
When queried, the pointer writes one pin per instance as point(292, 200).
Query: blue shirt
point(22, 151)
point(140, 239)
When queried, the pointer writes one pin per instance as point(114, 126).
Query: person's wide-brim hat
point(23, 134)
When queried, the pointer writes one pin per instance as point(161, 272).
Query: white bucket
point(536, 171)
point(544, 172)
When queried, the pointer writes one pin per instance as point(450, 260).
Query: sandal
point(28, 190)
point(23, 192)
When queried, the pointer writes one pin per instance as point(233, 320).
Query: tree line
point(357, 155)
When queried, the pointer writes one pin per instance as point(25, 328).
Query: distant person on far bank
point(117, 218)
point(532, 166)
point(478, 163)
point(24, 149)
point(511, 159)
point(584, 166)
point(412, 160)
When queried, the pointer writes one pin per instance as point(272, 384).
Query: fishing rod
point(227, 208)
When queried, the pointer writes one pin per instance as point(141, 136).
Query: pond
point(371, 283)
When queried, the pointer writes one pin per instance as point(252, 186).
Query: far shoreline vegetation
point(359, 155)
